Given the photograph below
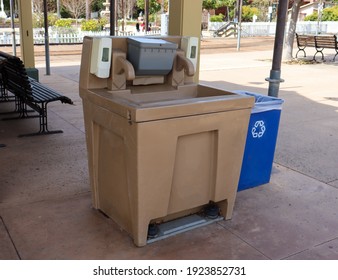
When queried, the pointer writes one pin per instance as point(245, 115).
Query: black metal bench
point(319, 42)
point(28, 92)
point(4, 97)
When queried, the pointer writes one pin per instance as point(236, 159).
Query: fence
point(248, 29)
point(269, 28)
point(6, 37)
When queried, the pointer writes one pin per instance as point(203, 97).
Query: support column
point(185, 19)
point(26, 37)
point(26, 33)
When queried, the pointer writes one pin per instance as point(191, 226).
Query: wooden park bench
point(304, 41)
point(325, 42)
point(28, 92)
point(319, 42)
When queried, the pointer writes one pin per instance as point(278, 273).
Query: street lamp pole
point(11, 7)
point(112, 17)
point(275, 73)
point(239, 23)
point(45, 14)
point(146, 3)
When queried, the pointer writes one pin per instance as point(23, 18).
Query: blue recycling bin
point(261, 141)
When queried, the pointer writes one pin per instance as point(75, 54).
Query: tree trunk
point(292, 30)
point(124, 13)
point(87, 10)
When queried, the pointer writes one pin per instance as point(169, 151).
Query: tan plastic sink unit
point(160, 151)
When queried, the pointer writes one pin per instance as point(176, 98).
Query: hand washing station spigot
point(160, 146)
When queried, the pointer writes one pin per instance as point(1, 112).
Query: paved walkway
point(45, 201)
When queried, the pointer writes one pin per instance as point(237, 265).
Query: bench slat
point(41, 93)
point(305, 41)
point(326, 42)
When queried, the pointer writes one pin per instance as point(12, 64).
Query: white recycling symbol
point(258, 129)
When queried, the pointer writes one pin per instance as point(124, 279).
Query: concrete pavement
point(45, 200)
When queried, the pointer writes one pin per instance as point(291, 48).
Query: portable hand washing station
point(164, 152)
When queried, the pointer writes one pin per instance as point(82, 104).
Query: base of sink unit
point(180, 225)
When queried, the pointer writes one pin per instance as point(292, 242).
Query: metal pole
point(11, 4)
point(239, 23)
point(45, 14)
point(275, 72)
point(146, 10)
point(112, 17)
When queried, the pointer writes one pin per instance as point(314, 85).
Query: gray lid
point(151, 43)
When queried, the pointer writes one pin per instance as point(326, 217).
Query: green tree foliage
point(65, 13)
point(262, 6)
point(248, 13)
point(6, 4)
point(154, 6)
point(214, 4)
point(97, 5)
point(209, 4)
point(330, 14)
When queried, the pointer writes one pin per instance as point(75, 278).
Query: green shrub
point(93, 24)
point(38, 20)
point(52, 18)
point(103, 21)
point(311, 17)
point(8, 21)
point(217, 18)
point(64, 23)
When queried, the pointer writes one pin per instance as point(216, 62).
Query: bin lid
point(186, 101)
point(152, 43)
point(263, 103)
